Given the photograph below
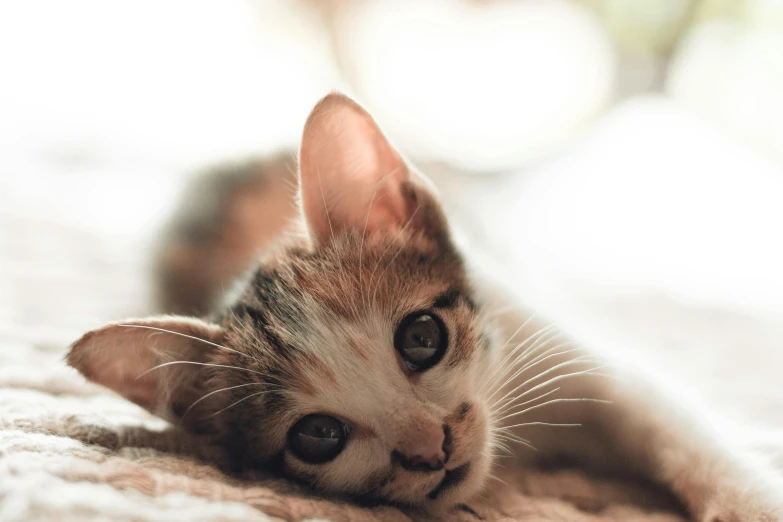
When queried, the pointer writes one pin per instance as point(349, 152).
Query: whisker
point(553, 401)
point(510, 371)
point(516, 332)
point(559, 378)
point(554, 424)
point(183, 335)
point(500, 445)
point(495, 477)
point(241, 400)
point(541, 340)
point(546, 353)
point(198, 364)
point(539, 343)
point(504, 407)
point(524, 369)
point(505, 431)
point(583, 359)
point(218, 391)
point(506, 434)
point(521, 442)
point(502, 364)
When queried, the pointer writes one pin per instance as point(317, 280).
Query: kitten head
point(353, 358)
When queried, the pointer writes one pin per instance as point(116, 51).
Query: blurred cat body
point(365, 355)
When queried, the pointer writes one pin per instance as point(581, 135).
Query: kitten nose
point(426, 450)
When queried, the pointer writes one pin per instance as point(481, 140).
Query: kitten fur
point(310, 330)
point(226, 216)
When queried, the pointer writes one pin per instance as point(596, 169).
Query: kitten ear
point(352, 178)
point(124, 357)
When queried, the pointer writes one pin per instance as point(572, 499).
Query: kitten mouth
point(452, 478)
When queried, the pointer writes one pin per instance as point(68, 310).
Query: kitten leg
point(644, 430)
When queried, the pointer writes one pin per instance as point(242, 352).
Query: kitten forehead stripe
point(261, 321)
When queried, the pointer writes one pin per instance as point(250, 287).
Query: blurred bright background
point(600, 148)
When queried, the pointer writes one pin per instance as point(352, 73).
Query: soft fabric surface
point(73, 451)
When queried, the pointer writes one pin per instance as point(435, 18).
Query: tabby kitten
point(365, 356)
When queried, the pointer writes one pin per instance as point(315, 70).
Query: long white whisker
point(184, 335)
point(198, 364)
point(240, 400)
point(502, 364)
point(495, 477)
point(539, 342)
point(532, 364)
point(557, 425)
point(507, 434)
point(504, 407)
point(583, 358)
point(521, 442)
point(559, 378)
point(502, 446)
point(218, 391)
point(503, 430)
point(525, 340)
point(545, 354)
point(553, 401)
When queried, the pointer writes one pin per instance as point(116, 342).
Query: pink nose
point(424, 450)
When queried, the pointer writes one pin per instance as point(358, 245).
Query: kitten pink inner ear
point(351, 176)
point(122, 357)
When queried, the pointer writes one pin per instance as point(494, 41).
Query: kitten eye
point(317, 438)
point(421, 340)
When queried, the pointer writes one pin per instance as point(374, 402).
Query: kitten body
point(365, 355)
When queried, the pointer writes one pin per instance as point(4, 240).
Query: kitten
point(367, 357)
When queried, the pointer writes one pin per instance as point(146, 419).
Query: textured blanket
point(70, 450)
